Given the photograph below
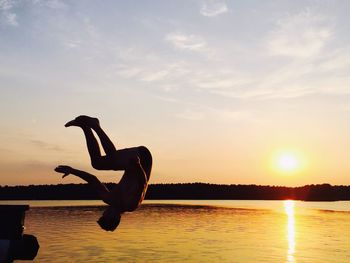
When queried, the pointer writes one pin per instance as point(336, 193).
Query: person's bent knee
point(102, 163)
point(97, 164)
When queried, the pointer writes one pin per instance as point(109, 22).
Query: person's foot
point(83, 121)
point(76, 122)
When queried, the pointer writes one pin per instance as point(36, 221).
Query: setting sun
point(288, 162)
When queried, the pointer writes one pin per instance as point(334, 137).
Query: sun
point(287, 162)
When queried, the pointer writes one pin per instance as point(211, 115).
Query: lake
point(193, 231)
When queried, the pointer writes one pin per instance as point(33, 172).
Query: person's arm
point(101, 189)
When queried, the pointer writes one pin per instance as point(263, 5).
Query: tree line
point(319, 192)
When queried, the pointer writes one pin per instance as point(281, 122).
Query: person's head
point(110, 219)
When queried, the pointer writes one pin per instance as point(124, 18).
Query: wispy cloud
point(213, 79)
point(302, 35)
point(186, 41)
point(37, 165)
point(129, 71)
point(212, 8)
point(198, 113)
point(338, 60)
point(167, 99)
point(231, 115)
point(154, 76)
point(6, 4)
point(290, 80)
point(71, 44)
point(54, 4)
point(78, 34)
point(46, 146)
point(153, 70)
point(202, 64)
point(6, 151)
point(191, 115)
point(24, 166)
point(7, 16)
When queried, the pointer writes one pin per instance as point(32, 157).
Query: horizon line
point(214, 184)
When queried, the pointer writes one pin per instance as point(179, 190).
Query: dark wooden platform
point(12, 221)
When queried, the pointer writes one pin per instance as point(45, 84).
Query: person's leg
point(120, 159)
point(107, 144)
point(98, 161)
point(94, 123)
point(114, 159)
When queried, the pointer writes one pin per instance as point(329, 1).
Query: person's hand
point(66, 170)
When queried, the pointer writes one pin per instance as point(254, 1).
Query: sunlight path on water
point(289, 209)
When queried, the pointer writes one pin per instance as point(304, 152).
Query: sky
point(215, 89)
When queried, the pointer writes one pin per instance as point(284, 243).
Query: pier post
point(13, 243)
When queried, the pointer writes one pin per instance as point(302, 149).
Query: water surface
point(193, 231)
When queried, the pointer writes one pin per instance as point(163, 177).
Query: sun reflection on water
point(289, 209)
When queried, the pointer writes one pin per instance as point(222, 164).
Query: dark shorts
point(145, 160)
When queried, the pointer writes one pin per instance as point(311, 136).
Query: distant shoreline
point(184, 191)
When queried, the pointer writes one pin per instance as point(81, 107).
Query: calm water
point(193, 231)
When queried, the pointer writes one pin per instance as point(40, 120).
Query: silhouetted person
point(136, 162)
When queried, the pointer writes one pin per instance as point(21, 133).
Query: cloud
point(218, 68)
point(212, 8)
point(155, 76)
point(214, 79)
point(46, 146)
point(147, 75)
point(167, 99)
point(7, 16)
point(296, 78)
point(71, 44)
point(53, 4)
point(6, 151)
point(302, 35)
point(11, 19)
point(191, 115)
point(327, 74)
point(231, 115)
point(153, 70)
point(217, 114)
point(36, 165)
point(6, 4)
point(25, 167)
point(186, 42)
point(142, 74)
point(128, 71)
point(337, 61)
